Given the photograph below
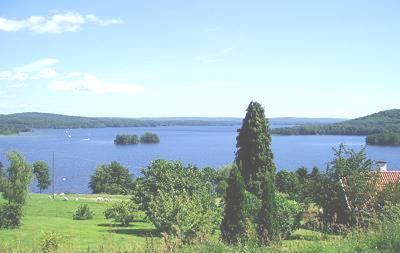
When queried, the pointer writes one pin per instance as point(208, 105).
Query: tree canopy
point(149, 138)
point(384, 121)
point(384, 139)
point(111, 179)
point(41, 172)
point(123, 139)
point(254, 156)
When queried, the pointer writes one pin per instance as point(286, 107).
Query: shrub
point(186, 217)
point(10, 215)
point(288, 214)
point(123, 212)
point(149, 138)
point(83, 213)
point(50, 242)
point(179, 200)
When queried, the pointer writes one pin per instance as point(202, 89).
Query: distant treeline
point(384, 139)
point(19, 122)
point(385, 121)
point(124, 139)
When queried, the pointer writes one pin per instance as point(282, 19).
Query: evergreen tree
point(233, 226)
point(267, 227)
point(254, 156)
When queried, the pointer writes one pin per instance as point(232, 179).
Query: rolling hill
point(384, 121)
point(20, 122)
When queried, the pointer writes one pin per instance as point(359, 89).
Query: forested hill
point(15, 123)
point(30, 120)
point(384, 121)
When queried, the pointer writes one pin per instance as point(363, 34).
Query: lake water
point(79, 151)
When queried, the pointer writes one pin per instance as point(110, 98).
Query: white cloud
point(91, 83)
point(41, 69)
point(57, 23)
point(71, 81)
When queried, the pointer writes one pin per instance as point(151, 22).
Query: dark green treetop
point(111, 179)
point(254, 156)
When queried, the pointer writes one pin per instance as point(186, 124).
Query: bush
point(186, 217)
point(149, 138)
point(83, 213)
point(50, 242)
point(179, 200)
point(123, 212)
point(288, 214)
point(10, 215)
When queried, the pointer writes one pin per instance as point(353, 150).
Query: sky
point(199, 58)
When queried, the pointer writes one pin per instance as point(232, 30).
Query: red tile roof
point(384, 178)
point(387, 177)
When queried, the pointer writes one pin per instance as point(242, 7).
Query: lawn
point(43, 214)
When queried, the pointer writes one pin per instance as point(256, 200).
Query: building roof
point(383, 179)
point(387, 177)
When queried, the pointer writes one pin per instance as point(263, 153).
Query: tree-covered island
point(125, 139)
point(383, 139)
point(149, 138)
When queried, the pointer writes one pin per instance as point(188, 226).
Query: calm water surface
point(79, 151)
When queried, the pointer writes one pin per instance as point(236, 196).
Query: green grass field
point(42, 214)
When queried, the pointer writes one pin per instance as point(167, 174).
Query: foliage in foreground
point(179, 200)
point(51, 242)
point(123, 212)
point(83, 213)
point(111, 179)
point(14, 183)
point(233, 227)
point(254, 156)
point(347, 189)
point(10, 215)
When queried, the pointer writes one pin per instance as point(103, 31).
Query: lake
point(79, 151)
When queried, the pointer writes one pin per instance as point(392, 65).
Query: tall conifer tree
point(254, 156)
point(266, 222)
point(233, 226)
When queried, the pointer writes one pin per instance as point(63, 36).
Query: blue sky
point(199, 58)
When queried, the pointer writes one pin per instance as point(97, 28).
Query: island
point(149, 138)
point(126, 139)
point(383, 139)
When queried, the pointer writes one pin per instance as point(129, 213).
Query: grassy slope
point(43, 214)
